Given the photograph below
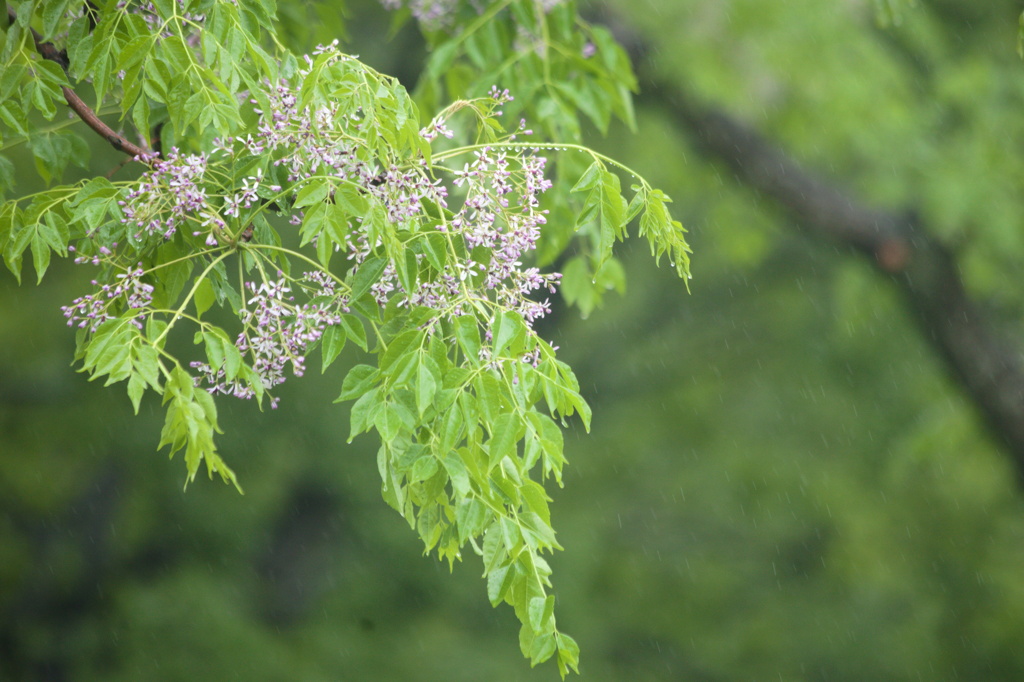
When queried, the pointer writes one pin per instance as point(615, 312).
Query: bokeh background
point(783, 481)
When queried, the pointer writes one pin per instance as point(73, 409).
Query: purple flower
point(127, 292)
point(277, 333)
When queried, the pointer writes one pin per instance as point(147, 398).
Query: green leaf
point(568, 654)
point(406, 343)
point(424, 467)
point(389, 421)
point(350, 200)
point(53, 12)
point(540, 612)
point(364, 411)
point(435, 248)
point(146, 364)
point(367, 275)
point(40, 255)
point(499, 582)
point(537, 533)
point(404, 459)
point(18, 241)
point(190, 424)
point(665, 234)
point(536, 499)
point(494, 551)
point(489, 395)
point(451, 430)
point(109, 350)
point(233, 365)
point(467, 331)
point(545, 440)
point(136, 387)
point(613, 210)
point(428, 378)
point(509, 333)
point(358, 381)
point(314, 192)
point(543, 648)
point(331, 344)
point(406, 267)
point(471, 516)
point(354, 330)
point(590, 178)
point(505, 433)
point(134, 52)
point(204, 297)
point(457, 472)
point(10, 78)
point(636, 204)
point(214, 345)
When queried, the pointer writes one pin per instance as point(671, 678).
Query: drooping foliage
point(274, 205)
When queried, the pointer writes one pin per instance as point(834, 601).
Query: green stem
point(191, 293)
point(295, 254)
point(557, 147)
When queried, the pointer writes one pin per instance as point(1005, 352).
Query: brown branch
point(106, 132)
point(48, 51)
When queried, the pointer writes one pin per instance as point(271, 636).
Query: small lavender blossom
point(167, 195)
point(500, 96)
point(500, 214)
point(436, 127)
point(92, 310)
point(277, 333)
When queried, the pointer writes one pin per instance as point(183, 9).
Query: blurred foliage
point(782, 482)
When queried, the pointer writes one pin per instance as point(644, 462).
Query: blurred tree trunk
point(900, 248)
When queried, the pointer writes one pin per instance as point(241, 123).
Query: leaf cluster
point(291, 204)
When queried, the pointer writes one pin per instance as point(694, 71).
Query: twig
point(48, 51)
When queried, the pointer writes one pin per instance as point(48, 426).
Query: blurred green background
point(782, 483)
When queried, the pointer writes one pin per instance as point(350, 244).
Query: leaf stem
point(557, 147)
point(191, 293)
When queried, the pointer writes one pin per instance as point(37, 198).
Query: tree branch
point(922, 268)
point(48, 51)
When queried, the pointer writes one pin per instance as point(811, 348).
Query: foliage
point(289, 204)
point(782, 480)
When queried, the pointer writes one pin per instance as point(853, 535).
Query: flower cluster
point(495, 224)
point(437, 127)
point(277, 332)
point(500, 221)
point(312, 141)
point(92, 310)
point(486, 220)
point(167, 195)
